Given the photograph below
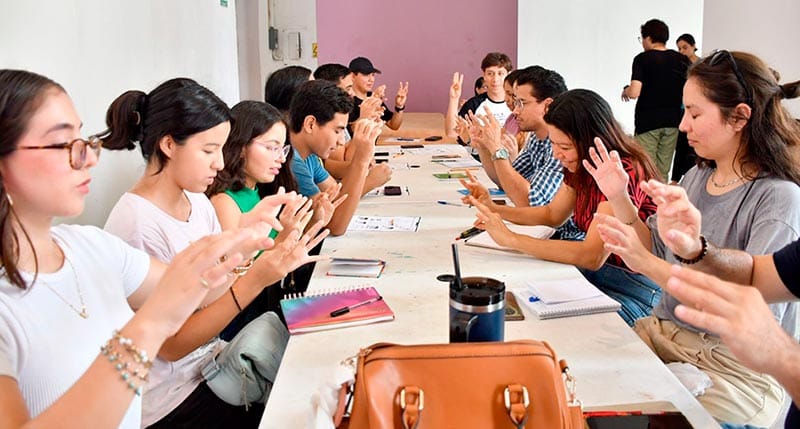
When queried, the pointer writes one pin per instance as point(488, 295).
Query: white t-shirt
point(143, 225)
point(44, 344)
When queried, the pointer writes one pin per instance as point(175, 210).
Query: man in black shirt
point(363, 81)
point(657, 79)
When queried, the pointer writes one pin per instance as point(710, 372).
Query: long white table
point(612, 366)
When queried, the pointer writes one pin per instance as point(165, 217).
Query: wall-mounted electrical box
point(272, 38)
point(294, 48)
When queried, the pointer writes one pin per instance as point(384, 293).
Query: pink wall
point(420, 41)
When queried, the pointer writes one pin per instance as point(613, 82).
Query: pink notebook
point(313, 312)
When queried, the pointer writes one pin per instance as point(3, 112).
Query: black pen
point(346, 309)
point(469, 233)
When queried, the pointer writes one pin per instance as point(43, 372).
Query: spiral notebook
point(313, 312)
point(565, 298)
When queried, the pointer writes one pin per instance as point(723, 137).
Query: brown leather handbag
point(515, 384)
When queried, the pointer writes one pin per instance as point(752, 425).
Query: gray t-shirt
point(759, 217)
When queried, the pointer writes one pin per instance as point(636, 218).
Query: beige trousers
point(739, 395)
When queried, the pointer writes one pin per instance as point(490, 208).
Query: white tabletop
point(613, 367)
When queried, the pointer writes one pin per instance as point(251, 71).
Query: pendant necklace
point(723, 185)
point(82, 312)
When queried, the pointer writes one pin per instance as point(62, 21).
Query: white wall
point(769, 30)
point(99, 48)
point(257, 61)
point(592, 43)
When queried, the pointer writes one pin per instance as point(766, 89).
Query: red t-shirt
point(586, 202)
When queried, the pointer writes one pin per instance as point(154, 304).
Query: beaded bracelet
point(698, 258)
point(139, 368)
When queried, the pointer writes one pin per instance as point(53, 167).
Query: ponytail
point(124, 120)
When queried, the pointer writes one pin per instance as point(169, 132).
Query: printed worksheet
point(384, 223)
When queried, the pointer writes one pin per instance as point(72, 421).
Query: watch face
point(501, 153)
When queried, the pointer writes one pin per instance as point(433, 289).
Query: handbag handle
point(517, 400)
point(412, 402)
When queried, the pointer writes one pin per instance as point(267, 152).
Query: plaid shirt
point(536, 164)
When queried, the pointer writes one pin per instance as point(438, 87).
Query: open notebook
point(563, 298)
point(353, 267)
point(485, 240)
point(313, 312)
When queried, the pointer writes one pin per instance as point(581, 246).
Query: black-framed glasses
point(78, 149)
point(721, 55)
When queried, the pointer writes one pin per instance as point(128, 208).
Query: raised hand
point(294, 216)
point(191, 274)
point(402, 96)
point(679, 222)
point(489, 131)
point(622, 240)
point(325, 204)
point(379, 92)
point(267, 209)
point(607, 170)
point(456, 86)
point(492, 223)
point(365, 133)
point(293, 253)
point(463, 128)
point(476, 190)
point(371, 108)
point(738, 314)
point(377, 176)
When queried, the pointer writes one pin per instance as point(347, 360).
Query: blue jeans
point(637, 293)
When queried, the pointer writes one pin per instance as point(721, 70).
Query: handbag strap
point(517, 400)
point(412, 402)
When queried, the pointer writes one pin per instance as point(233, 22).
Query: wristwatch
point(501, 153)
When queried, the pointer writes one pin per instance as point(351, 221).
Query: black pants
point(685, 158)
point(203, 409)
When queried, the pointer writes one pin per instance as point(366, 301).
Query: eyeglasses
point(520, 104)
point(78, 149)
point(721, 55)
point(276, 150)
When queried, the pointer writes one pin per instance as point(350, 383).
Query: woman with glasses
point(575, 119)
point(197, 380)
point(255, 155)
point(72, 351)
point(745, 185)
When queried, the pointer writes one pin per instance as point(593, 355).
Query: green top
point(246, 199)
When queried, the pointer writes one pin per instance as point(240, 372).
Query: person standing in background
point(657, 78)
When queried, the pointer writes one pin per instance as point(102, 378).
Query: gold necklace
point(82, 312)
point(724, 185)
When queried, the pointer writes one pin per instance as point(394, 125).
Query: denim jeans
point(637, 293)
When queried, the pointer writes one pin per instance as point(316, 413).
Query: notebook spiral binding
point(335, 291)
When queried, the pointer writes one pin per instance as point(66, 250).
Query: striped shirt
point(536, 164)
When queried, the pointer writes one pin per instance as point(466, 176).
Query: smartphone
point(380, 160)
point(381, 153)
point(433, 138)
point(499, 202)
point(392, 190)
point(671, 420)
point(411, 146)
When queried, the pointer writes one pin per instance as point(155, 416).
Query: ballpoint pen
point(346, 309)
point(448, 203)
point(469, 233)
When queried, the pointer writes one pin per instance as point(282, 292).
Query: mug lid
point(478, 291)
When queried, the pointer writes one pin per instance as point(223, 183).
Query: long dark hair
point(249, 119)
point(771, 136)
point(178, 108)
point(583, 115)
point(21, 95)
point(282, 85)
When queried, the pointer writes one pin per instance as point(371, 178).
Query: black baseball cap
point(363, 66)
